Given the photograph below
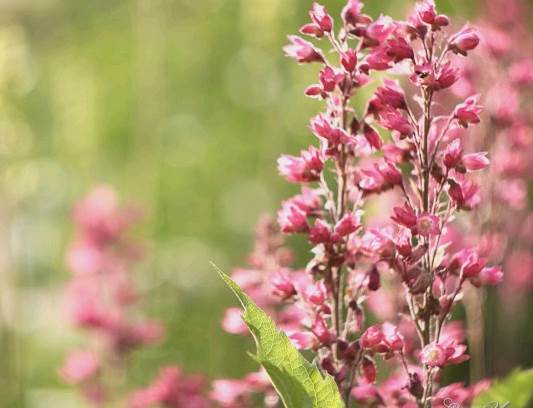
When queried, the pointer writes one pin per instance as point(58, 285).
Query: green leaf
point(515, 390)
point(298, 382)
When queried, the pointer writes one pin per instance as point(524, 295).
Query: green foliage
point(299, 383)
point(516, 390)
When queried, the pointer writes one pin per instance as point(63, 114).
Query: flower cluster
point(101, 299)
point(404, 147)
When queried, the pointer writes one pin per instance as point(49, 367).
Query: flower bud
point(463, 41)
point(303, 51)
point(372, 137)
point(369, 370)
point(349, 60)
point(476, 161)
point(468, 111)
point(491, 275)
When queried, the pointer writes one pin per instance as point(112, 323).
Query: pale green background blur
point(183, 105)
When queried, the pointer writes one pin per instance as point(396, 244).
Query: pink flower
point(365, 393)
point(392, 337)
point(447, 351)
point(475, 161)
point(446, 76)
point(329, 79)
point(463, 41)
point(393, 119)
point(303, 340)
point(316, 293)
point(428, 225)
point(233, 322)
point(291, 218)
point(380, 29)
point(464, 192)
point(391, 95)
point(303, 169)
point(321, 18)
point(491, 275)
point(303, 51)
point(230, 393)
point(351, 13)
point(321, 127)
point(369, 370)
point(433, 355)
point(372, 337)
point(426, 11)
point(349, 60)
point(405, 216)
point(347, 224)
point(453, 154)
point(391, 174)
point(379, 59)
point(79, 367)
point(321, 331)
point(283, 286)
point(171, 389)
point(398, 49)
point(468, 111)
point(320, 233)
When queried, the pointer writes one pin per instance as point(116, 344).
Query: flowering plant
point(404, 147)
point(101, 300)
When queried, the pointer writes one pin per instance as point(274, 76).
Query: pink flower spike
point(427, 225)
point(476, 161)
point(492, 275)
point(463, 41)
point(321, 18)
point(303, 51)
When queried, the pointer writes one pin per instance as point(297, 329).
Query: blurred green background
point(184, 106)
